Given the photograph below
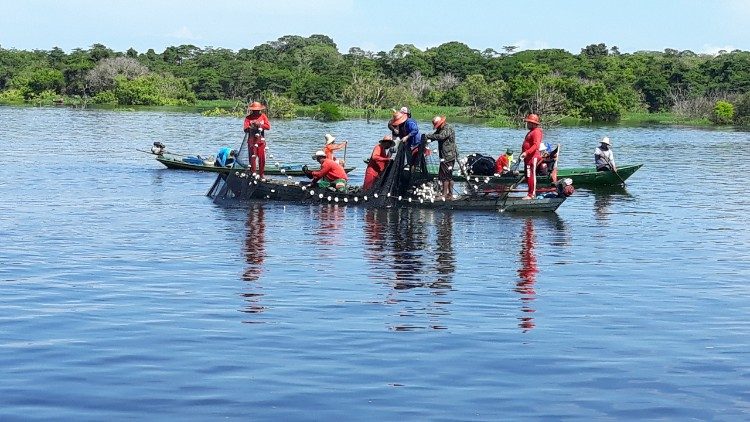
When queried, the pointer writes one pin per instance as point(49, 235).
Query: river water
point(127, 294)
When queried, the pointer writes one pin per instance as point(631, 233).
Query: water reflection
point(603, 199)
point(411, 249)
point(329, 230)
point(527, 276)
point(255, 254)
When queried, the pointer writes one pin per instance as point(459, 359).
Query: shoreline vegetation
point(309, 77)
point(227, 108)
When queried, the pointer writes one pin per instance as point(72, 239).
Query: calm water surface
point(127, 294)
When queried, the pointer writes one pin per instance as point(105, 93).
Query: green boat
point(582, 176)
point(179, 162)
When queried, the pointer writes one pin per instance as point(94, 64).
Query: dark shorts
point(446, 170)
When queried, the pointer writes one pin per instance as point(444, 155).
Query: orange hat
point(255, 106)
point(398, 118)
point(438, 121)
point(532, 118)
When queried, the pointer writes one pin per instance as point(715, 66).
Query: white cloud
point(184, 33)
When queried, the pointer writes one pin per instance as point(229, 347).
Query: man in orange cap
point(530, 152)
point(256, 125)
point(408, 131)
point(446, 138)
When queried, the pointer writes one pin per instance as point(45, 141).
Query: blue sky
point(698, 25)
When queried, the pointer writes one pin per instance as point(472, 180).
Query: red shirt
point(379, 158)
point(261, 120)
point(331, 170)
point(332, 147)
point(501, 163)
point(531, 144)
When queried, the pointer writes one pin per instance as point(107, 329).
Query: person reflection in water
point(255, 254)
point(446, 262)
point(527, 274)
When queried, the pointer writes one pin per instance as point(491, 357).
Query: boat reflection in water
point(255, 254)
point(603, 199)
point(412, 249)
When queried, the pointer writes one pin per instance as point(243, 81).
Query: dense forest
point(598, 84)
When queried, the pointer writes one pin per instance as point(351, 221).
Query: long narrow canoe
point(177, 162)
point(583, 177)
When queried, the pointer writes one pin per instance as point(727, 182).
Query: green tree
point(723, 113)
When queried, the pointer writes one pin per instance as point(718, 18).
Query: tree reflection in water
point(406, 256)
point(255, 254)
point(527, 276)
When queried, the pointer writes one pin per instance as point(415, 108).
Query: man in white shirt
point(603, 156)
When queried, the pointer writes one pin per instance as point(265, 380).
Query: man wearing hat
point(331, 173)
point(408, 131)
point(446, 138)
point(256, 125)
point(503, 163)
point(604, 158)
point(378, 161)
point(530, 152)
point(331, 146)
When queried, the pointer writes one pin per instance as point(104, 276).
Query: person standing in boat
point(331, 173)
point(446, 137)
point(391, 127)
point(256, 124)
point(604, 158)
point(504, 162)
point(530, 152)
point(225, 157)
point(378, 161)
point(331, 146)
point(408, 131)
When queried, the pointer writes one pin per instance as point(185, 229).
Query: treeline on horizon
point(599, 84)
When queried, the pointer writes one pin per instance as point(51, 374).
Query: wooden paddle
point(612, 168)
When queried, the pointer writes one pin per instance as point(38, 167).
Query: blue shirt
point(222, 156)
point(410, 128)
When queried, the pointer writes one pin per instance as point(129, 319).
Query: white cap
point(329, 138)
point(605, 140)
point(404, 110)
point(318, 153)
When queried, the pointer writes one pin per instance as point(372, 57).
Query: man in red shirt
point(378, 161)
point(530, 152)
point(256, 125)
point(503, 163)
point(331, 173)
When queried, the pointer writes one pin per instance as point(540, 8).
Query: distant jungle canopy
point(599, 83)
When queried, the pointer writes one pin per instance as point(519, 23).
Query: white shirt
point(601, 157)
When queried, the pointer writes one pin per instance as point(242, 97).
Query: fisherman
point(225, 157)
point(331, 173)
point(256, 125)
point(530, 152)
point(408, 131)
point(379, 159)
point(446, 138)
point(394, 129)
point(331, 146)
point(604, 158)
point(504, 162)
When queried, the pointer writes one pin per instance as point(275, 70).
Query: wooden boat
point(196, 163)
point(243, 186)
point(582, 176)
